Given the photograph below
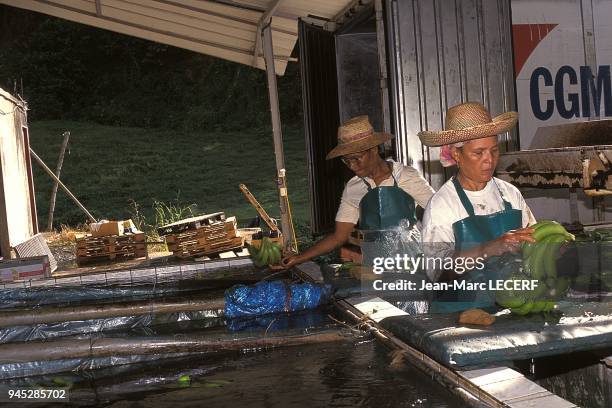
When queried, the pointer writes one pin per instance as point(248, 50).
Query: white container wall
point(563, 58)
point(17, 208)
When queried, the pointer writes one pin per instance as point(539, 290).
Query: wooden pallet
point(192, 223)
point(190, 249)
point(217, 231)
point(91, 249)
point(218, 235)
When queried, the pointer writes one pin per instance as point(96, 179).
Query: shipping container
point(404, 63)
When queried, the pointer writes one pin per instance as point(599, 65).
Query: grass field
point(108, 168)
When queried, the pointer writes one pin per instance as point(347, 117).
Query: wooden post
point(58, 171)
point(62, 185)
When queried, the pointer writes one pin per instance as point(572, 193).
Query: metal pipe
point(62, 185)
point(286, 226)
point(265, 19)
point(106, 347)
point(67, 314)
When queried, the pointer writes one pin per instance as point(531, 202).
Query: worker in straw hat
point(381, 194)
point(473, 214)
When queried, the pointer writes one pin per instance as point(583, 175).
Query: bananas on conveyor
point(539, 263)
point(269, 253)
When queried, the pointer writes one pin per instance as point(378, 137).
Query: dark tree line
point(70, 71)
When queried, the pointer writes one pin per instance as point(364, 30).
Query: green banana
point(253, 251)
point(265, 251)
point(538, 306)
point(531, 265)
point(542, 223)
point(549, 260)
point(539, 262)
point(550, 305)
point(512, 298)
point(548, 229)
point(559, 287)
point(255, 255)
point(528, 248)
point(276, 253)
point(523, 310)
point(540, 291)
point(510, 303)
point(538, 258)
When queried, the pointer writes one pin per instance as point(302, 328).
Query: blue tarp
point(273, 297)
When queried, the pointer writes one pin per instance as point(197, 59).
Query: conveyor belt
point(575, 327)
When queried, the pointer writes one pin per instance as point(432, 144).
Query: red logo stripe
point(526, 38)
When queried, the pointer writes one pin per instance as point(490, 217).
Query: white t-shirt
point(408, 179)
point(445, 208)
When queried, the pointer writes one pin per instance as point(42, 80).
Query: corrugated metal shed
point(223, 29)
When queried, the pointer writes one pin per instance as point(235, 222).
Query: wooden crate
point(91, 249)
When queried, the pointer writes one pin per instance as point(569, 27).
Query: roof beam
point(263, 21)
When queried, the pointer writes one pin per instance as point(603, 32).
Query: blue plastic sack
point(273, 297)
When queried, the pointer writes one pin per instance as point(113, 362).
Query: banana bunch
point(269, 253)
point(539, 263)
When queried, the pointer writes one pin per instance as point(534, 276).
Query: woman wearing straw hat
point(473, 214)
point(381, 194)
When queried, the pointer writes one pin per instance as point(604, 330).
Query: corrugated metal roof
point(224, 29)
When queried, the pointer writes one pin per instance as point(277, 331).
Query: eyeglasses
point(357, 159)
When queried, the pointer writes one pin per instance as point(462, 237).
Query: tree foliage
point(75, 72)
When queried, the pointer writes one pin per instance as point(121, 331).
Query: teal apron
point(381, 211)
point(469, 232)
point(384, 207)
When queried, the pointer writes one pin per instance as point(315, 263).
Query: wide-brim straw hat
point(355, 136)
point(468, 121)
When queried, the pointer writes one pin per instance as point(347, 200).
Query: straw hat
point(468, 121)
point(355, 136)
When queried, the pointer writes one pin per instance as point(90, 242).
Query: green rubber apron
point(470, 232)
point(384, 207)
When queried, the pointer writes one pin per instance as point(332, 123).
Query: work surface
point(573, 327)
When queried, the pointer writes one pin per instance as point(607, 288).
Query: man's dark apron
point(469, 232)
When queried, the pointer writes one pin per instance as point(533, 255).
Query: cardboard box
point(31, 268)
point(102, 229)
point(106, 228)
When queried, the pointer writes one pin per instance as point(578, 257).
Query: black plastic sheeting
point(34, 368)
point(143, 324)
point(183, 323)
point(141, 285)
point(573, 327)
point(178, 325)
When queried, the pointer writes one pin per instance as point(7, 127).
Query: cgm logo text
point(594, 89)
